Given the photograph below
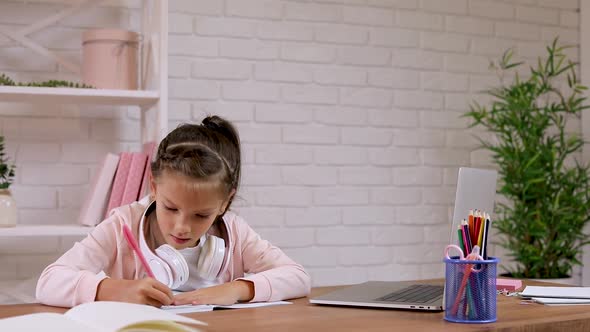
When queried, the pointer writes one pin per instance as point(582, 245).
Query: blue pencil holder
point(470, 290)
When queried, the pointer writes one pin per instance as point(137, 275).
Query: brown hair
point(209, 151)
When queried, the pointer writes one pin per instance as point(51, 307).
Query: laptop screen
point(476, 189)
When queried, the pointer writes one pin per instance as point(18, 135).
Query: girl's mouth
point(179, 240)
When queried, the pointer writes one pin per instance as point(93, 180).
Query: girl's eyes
point(201, 216)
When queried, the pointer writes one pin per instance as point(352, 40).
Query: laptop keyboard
point(414, 294)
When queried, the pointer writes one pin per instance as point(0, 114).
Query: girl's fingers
point(153, 303)
point(164, 289)
point(178, 300)
point(188, 298)
point(198, 301)
point(161, 297)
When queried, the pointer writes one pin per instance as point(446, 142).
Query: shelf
point(153, 74)
point(44, 230)
point(78, 96)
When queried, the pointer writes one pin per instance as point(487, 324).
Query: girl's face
point(185, 209)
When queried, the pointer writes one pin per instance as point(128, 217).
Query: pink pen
point(135, 247)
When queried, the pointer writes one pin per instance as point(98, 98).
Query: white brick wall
point(349, 112)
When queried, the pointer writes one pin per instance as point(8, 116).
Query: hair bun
point(213, 122)
point(223, 127)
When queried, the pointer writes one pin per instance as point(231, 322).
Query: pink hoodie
point(74, 278)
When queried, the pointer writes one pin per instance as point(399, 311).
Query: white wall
point(349, 112)
point(585, 79)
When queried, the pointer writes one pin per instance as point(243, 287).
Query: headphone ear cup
point(211, 257)
point(161, 270)
point(177, 264)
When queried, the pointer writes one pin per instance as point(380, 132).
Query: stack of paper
point(557, 295)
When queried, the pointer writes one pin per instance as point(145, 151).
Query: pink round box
point(110, 58)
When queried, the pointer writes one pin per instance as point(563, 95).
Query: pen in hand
point(133, 243)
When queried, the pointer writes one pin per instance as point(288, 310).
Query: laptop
point(476, 189)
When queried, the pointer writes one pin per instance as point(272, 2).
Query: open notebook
point(189, 308)
point(102, 316)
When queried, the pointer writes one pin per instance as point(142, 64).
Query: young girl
point(195, 175)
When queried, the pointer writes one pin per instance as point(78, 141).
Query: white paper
point(251, 305)
point(557, 292)
point(560, 301)
point(42, 322)
point(188, 308)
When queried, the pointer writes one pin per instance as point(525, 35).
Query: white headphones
point(170, 267)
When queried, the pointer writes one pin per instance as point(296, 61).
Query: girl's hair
point(209, 151)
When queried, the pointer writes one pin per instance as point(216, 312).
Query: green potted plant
point(8, 212)
point(7, 81)
point(545, 188)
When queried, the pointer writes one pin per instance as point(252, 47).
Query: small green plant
point(6, 169)
point(5, 80)
point(547, 189)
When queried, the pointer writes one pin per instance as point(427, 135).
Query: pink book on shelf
point(119, 183)
point(149, 148)
point(134, 177)
point(94, 206)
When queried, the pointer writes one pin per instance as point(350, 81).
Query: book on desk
point(102, 316)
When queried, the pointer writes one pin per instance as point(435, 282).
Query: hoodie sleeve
point(275, 276)
point(74, 277)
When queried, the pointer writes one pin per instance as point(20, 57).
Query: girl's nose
point(182, 226)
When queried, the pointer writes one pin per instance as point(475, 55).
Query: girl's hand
point(224, 294)
point(142, 291)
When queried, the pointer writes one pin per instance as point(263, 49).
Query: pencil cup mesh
point(470, 290)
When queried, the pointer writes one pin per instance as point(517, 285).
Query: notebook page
point(43, 322)
point(113, 316)
point(158, 326)
point(251, 305)
point(189, 308)
point(186, 308)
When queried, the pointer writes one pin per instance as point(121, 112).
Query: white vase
point(8, 212)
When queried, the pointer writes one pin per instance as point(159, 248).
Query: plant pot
point(8, 212)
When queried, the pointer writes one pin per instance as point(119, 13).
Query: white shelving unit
point(45, 230)
point(78, 96)
point(152, 99)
